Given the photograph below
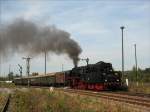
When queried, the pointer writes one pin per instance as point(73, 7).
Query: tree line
point(142, 75)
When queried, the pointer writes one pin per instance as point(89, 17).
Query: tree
point(10, 76)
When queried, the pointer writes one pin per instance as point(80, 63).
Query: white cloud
point(86, 28)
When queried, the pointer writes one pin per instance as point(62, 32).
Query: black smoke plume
point(33, 39)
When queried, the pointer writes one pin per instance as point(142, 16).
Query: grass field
point(142, 87)
point(2, 100)
point(39, 100)
point(42, 100)
point(6, 85)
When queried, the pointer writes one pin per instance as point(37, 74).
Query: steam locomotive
point(97, 77)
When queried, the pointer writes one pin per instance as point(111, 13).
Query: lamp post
point(122, 28)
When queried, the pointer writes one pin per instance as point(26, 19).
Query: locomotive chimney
point(75, 66)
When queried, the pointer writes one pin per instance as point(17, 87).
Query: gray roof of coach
point(43, 75)
point(49, 74)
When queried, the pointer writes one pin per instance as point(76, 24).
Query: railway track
point(5, 107)
point(140, 102)
point(133, 94)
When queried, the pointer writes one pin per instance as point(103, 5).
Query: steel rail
point(115, 97)
point(126, 98)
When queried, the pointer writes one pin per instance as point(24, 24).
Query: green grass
point(3, 97)
point(6, 85)
point(40, 100)
point(142, 87)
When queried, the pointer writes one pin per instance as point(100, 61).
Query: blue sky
point(95, 25)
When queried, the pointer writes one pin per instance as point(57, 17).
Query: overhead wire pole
point(63, 73)
point(9, 72)
point(28, 67)
point(0, 65)
point(0, 46)
point(62, 67)
point(136, 65)
point(122, 28)
point(0, 24)
point(45, 61)
point(20, 70)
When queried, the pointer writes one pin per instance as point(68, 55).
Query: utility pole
point(122, 27)
point(28, 67)
point(63, 73)
point(45, 62)
point(20, 70)
point(0, 65)
point(62, 67)
point(136, 70)
point(9, 72)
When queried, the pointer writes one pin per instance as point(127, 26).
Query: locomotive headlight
point(118, 80)
point(116, 73)
point(104, 73)
point(105, 80)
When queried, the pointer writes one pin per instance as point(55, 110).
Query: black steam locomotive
point(99, 76)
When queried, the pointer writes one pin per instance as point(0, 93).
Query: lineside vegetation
point(41, 100)
point(3, 97)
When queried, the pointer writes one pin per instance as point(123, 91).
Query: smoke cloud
point(26, 36)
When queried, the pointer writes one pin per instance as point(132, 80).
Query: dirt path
point(6, 90)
